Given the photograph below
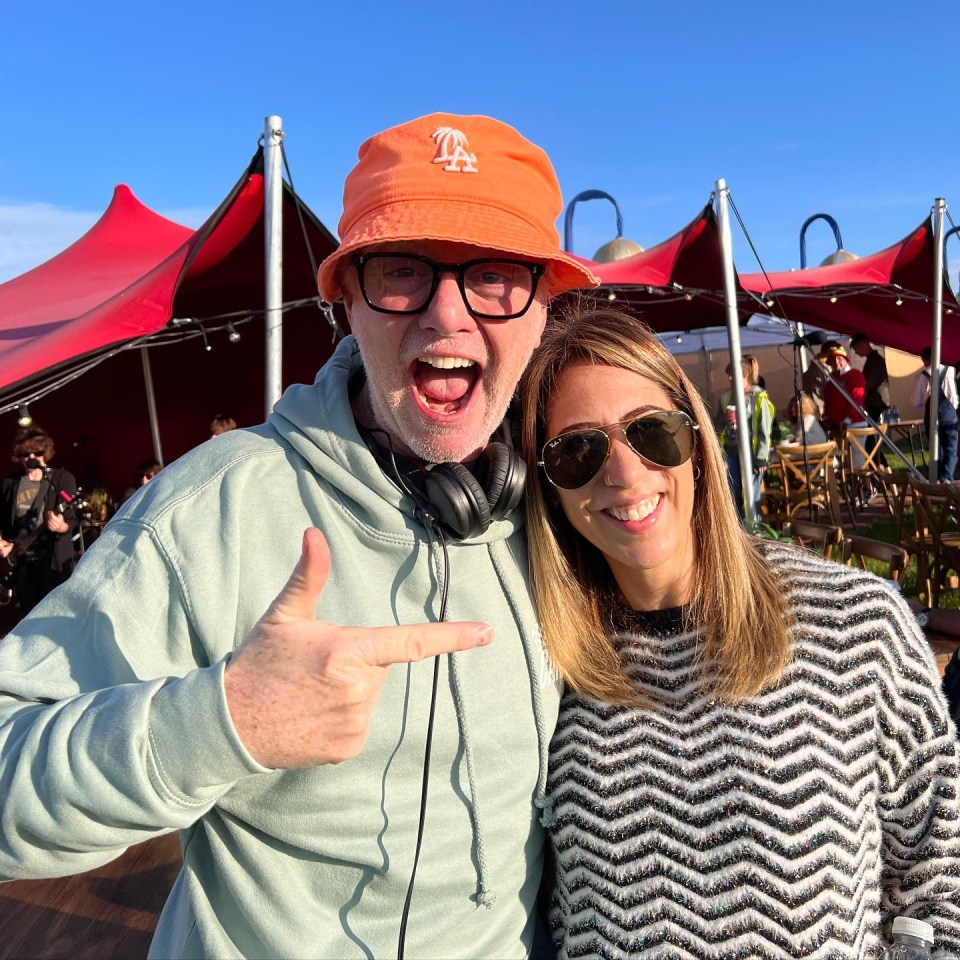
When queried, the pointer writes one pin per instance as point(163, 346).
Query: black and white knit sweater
point(794, 824)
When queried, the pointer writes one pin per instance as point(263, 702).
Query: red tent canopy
point(118, 287)
point(678, 284)
point(887, 295)
point(114, 283)
point(134, 270)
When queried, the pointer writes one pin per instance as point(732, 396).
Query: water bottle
point(912, 940)
point(893, 415)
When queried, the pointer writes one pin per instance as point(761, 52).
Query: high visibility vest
point(761, 401)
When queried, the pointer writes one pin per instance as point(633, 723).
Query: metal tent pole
point(273, 227)
point(733, 333)
point(939, 209)
point(151, 405)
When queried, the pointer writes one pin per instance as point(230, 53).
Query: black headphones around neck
point(466, 502)
point(463, 501)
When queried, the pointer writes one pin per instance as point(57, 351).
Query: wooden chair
point(810, 483)
point(772, 498)
point(935, 539)
point(822, 537)
point(857, 549)
point(895, 487)
point(859, 465)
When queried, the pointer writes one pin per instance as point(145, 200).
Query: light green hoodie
point(115, 726)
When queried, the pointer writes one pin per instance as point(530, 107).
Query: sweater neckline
point(669, 622)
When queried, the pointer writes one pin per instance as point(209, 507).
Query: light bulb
point(23, 415)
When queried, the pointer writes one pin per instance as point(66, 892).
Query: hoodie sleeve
point(114, 724)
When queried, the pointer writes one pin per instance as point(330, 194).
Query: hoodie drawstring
point(485, 896)
point(538, 665)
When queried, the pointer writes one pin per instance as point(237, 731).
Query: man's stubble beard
point(435, 443)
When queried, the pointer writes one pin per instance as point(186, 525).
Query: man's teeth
point(446, 363)
point(637, 512)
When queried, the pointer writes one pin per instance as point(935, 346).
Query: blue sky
point(849, 109)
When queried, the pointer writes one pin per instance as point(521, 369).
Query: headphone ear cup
point(505, 474)
point(458, 499)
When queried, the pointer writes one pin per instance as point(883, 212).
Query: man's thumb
point(298, 599)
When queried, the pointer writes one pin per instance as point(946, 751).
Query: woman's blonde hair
point(746, 620)
point(750, 366)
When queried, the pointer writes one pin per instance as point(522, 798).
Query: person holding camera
point(38, 526)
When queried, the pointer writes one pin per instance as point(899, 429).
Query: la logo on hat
point(452, 150)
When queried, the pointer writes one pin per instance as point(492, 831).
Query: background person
point(810, 430)
point(760, 416)
point(842, 411)
point(876, 394)
point(947, 422)
point(221, 424)
point(145, 471)
point(753, 756)
point(38, 524)
point(812, 380)
point(279, 720)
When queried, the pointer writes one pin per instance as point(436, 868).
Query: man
point(876, 397)
point(876, 382)
point(838, 410)
point(947, 422)
point(38, 525)
point(812, 381)
point(283, 728)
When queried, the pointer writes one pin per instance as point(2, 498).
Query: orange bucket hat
point(464, 179)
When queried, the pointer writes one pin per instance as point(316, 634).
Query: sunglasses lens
point(572, 460)
point(665, 439)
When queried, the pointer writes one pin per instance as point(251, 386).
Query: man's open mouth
point(445, 384)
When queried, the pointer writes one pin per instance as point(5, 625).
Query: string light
point(233, 335)
point(23, 415)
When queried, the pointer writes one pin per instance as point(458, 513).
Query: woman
point(753, 758)
point(810, 431)
point(760, 412)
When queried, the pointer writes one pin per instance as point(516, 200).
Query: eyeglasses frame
point(360, 260)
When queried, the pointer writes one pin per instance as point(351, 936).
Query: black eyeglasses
point(666, 438)
point(492, 289)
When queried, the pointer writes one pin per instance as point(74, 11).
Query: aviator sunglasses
point(664, 438)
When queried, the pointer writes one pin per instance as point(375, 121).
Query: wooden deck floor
point(106, 913)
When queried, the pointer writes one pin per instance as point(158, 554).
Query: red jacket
point(836, 407)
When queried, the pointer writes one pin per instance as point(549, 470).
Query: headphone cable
point(426, 517)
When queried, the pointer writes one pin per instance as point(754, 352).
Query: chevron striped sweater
point(794, 824)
